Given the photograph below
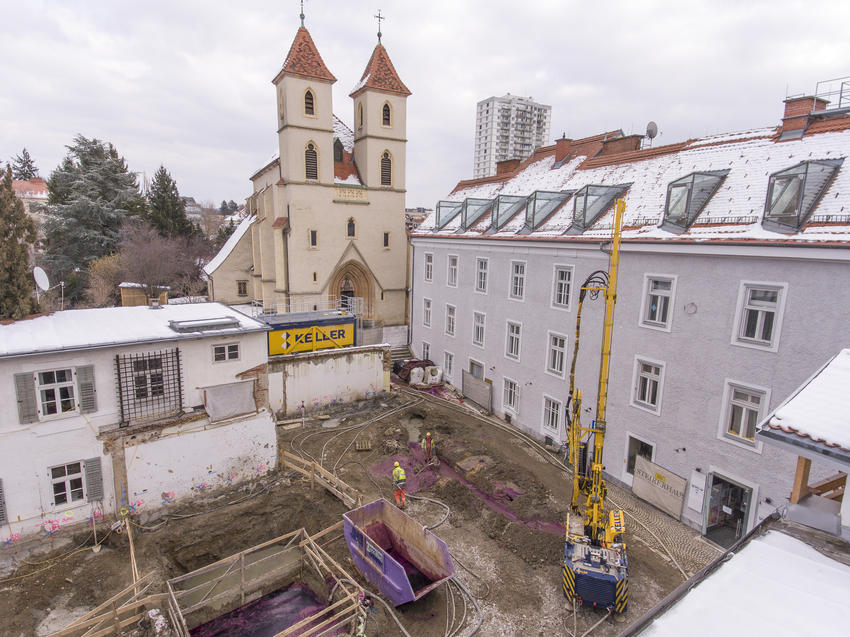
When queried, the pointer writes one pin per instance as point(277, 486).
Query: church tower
point(380, 123)
point(305, 113)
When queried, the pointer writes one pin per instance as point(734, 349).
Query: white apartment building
point(508, 127)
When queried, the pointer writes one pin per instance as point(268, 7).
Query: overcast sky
point(186, 83)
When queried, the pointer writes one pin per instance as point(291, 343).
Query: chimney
point(797, 111)
point(506, 166)
point(624, 144)
point(562, 148)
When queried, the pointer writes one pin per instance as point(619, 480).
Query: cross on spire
point(302, 13)
point(380, 19)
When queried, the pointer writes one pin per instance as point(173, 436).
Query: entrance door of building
point(727, 510)
point(636, 447)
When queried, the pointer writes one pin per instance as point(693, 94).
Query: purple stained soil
point(428, 476)
point(267, 616)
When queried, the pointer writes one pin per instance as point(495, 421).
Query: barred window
point(311, 162)
point(386, 170)
point(309, 108)
point(149, 385)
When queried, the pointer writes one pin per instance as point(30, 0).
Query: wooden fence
point(350, 496)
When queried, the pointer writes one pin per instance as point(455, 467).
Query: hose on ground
point(380, 599)
point(475, 605)
point(442, 504)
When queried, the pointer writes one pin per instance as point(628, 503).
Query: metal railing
point(837, 91)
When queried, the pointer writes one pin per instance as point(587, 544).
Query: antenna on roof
point(651, 132)
point(43, 283)
point(302, 13)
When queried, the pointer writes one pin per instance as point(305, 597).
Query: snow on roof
point(228, 246)
point(113, 326)
point(734, 212)
point(35, 188)
point(820, 409)
point(127, 284)
point(344, 134)
point(792, 590)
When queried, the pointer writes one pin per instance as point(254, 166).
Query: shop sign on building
point(309, 338)
point(659, 486)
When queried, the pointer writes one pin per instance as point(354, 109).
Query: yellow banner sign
point(291, 340)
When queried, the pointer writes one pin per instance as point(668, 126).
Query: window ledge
point(741, 443)
point(765, 347)
point(655, 411)
point(656, 327)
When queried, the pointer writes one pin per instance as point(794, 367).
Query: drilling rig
point(596, 568)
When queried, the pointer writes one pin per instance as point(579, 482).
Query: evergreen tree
point(223, 207)
point(17, 233)
point(166, 209)
point(231, 206)
point(223, 234)
point(91, 195)
point(23, 167)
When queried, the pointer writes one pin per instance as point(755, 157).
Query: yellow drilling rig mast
point(596, 568)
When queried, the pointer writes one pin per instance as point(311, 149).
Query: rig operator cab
point(596, 567)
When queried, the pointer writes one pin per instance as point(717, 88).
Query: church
point(326, 224)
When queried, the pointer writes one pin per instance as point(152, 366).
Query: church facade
point(326, 220)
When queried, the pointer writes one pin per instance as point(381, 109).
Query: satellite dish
point(651, 130)
point(41, 278)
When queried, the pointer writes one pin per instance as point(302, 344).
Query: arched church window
point(351, 228)
point(311, 162)
point(386, 117)
point(309, 108)
point(360, 116)
point(386, 169)
point(337, 150)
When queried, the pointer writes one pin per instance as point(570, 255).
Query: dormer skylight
point(446, 211)
point(205, 325)
point(471, 211)
point(686, 197)
point(541, 204)
point(793, 193)
point(505, 207)
point(590, 202)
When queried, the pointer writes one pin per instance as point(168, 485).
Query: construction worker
point(399, 483)
point(426, 446)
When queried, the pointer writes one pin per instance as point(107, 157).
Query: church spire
point(380, 74)
point(380, 18)
point(303, 58)
point(302, 13)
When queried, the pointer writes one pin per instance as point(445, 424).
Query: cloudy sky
point(186, 83)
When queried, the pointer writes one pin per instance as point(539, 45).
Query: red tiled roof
point(380, 74)
point(345, 168)
point(538, 154)
point(828, 125)
point(635, 155)
point(304, 60)
point(36, 187)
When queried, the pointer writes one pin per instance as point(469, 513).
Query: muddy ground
point(504, 530)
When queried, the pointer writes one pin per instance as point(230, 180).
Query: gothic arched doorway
point(353, 280)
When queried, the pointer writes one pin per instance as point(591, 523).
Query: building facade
point(128, 407)
point(733, 287)
point(326, 219)
point(508, 127)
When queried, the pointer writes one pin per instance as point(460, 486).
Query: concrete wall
point(329, 377)
point(191, 459)
point(697, 353)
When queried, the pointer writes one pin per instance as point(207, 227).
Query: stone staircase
point(401, 352)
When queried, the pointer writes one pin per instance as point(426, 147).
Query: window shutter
point(25, 391)
point(86, 389)
point(3, 517)
point(386, 170)
point(311, 166)
point(94, 480)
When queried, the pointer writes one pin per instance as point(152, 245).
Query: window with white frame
point(226, 352)
point(510, 395)
point(513, 340)
point(648, 383)
point(426, 312)
point(67, 483)
point(517, 280)
point(481, 275)
point(478, 319)
point(563, 286)
point(451, 274)
point(551, 413)
point(426, 350)
point(429, 267)
point(557, 354)
point(743, 412)
point(451, 314)
point(760, 314)
point(55, 390)
point(657, 302)
point(448, 364)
